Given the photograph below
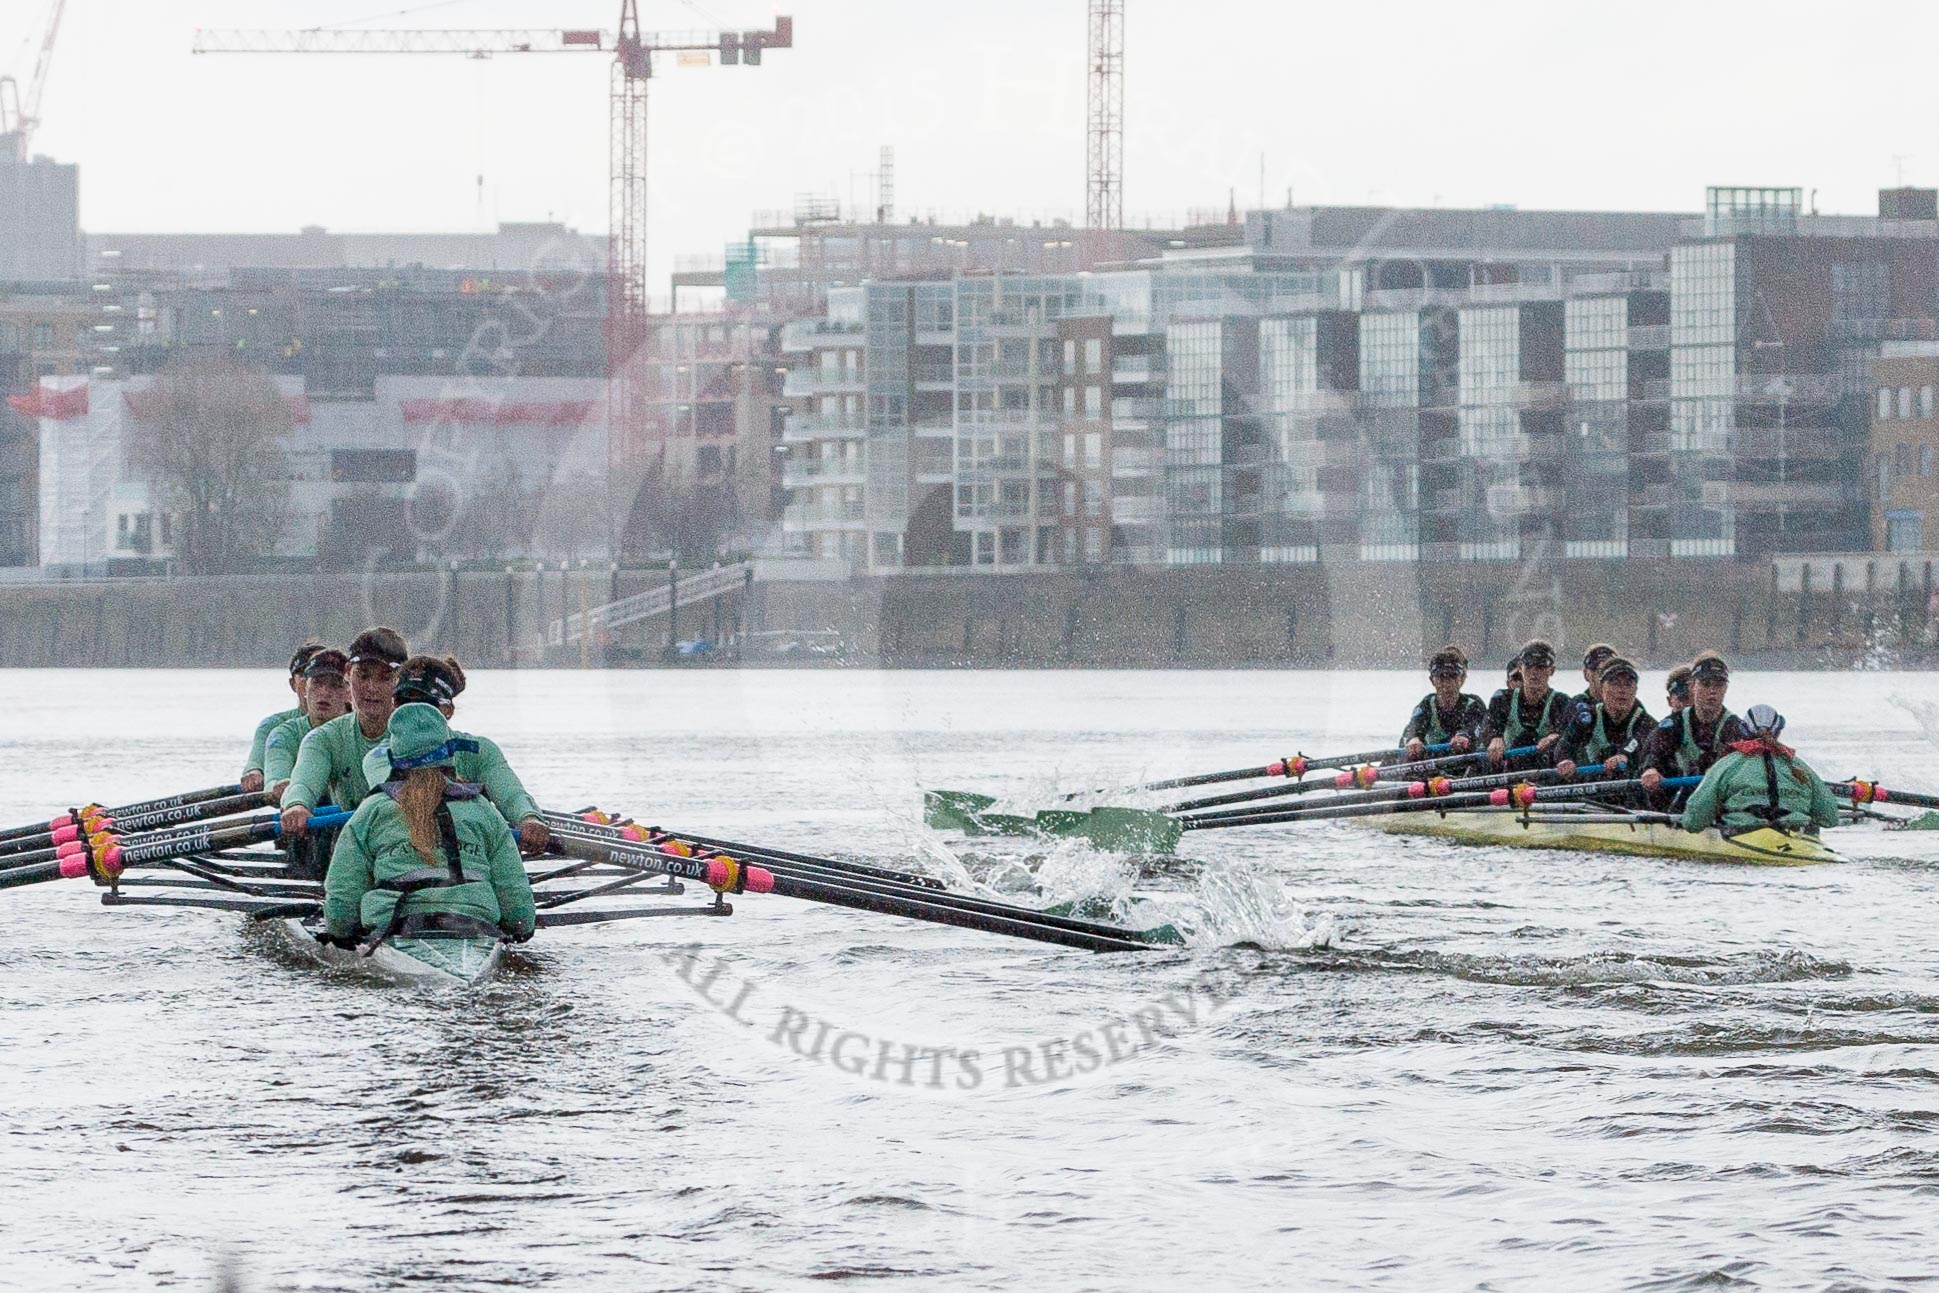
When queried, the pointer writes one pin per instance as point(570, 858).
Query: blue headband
point(436, 754)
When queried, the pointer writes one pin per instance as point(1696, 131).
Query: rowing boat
point(432, 961)
point(1600, 834)
point(260, 885)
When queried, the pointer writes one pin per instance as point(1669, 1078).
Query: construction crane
point(19, 113)
point(632, 52)
point(1104, 118)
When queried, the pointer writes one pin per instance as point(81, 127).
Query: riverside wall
point(1358, 615)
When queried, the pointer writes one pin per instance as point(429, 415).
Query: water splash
point(1923, 712)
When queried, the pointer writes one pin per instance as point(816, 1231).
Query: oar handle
point(77, 816)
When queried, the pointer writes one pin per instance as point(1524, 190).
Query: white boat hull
point(442, 962)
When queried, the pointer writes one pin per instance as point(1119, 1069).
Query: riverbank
point(1353, 615)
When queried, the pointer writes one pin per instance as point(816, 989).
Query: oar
point(95, 820)
point(1355, 778)
point(74, 815)
point(1519, 796)
point(1294, 766)
point(726, 874)
point(688, 846)
point(1432, 788)
point(1870, 792)
point(605, 826)
point(108, 855)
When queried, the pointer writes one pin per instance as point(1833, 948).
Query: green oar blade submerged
point(955, 810)
point(1116, 830)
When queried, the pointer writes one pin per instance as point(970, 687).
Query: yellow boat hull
point(1761, 847)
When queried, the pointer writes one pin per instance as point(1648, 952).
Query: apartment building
point(1358, 384)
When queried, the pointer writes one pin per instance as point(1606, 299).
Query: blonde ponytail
point(418, 799)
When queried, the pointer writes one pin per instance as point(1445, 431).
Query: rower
point(1609, 731)
point(1690, 740)
point(438, 682)
point(1592, 662)
point(427, 853)
point(330, 761)
point(326, 695)
point(1447, 715)
point(252, 768)
point(1677, 688)
point(1761, 782)
point(1531, 713)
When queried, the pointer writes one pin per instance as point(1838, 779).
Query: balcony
point(817, 426)
point(1541, 395)
point(1789, 388)
point(804, 334)
point(1521, 500)
point(799, 475)
point(1135, 372)
point(824, 516)
point(813, 381)
point(1768, 496)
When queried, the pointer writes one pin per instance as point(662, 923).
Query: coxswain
point(1531, 713)
point(1609, 731)
point(1447, 715)
point(1761, 782)
point(252, 768)
point(330, 761)
point(1592, 662)
point(427, 851)
point(326, 695)
point(429, 680)
point(1690, 740)
point(1677, 688)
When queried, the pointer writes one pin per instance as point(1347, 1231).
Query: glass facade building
point(1492, 389)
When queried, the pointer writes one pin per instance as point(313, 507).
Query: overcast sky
point(1632, 106)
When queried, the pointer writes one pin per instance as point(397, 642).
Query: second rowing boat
point(1612, 833)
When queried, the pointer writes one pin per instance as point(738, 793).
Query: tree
point(208, 438)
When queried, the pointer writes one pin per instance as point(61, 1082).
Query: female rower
point(330, 761)
point(1690, 740)
point(1677, 688)
point(1761, 782)
point(1446, 716)
point(1610, 731)
point(252, 768)
point(326, 695)
point(437, 682)
point(1592, 662)
point(1531, 714)
point(428, 850)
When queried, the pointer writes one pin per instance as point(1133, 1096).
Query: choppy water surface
point(1382, 1063)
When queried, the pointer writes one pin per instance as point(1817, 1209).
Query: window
point(1905, 403)
point(1093, 448)
point(1070, 356)
point(1070, 497)
point(1925, 460)
point(43, 336)
point(1094, 353)
point(1884, 403)
point(1901, 459)
point(1070, 399)
point(1925, 401)
point(1093, 544)
point(1905, 532)
point(1093, 498)
point(1883, 468)
point(1070, 451)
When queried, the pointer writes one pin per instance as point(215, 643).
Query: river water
point(1380, 1063)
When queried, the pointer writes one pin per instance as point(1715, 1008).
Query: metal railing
point(705, 586)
